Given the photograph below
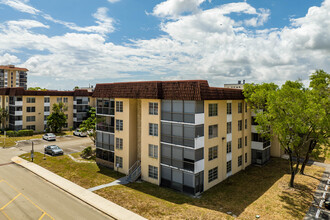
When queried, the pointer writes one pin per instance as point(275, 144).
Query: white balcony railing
point(199, 142)
point(229, 117)
point(199, 166)
point(74, 110)
point(46, 113)
point(229, 157)
point(18, 113)
point(199, 118)
point(229, 137)
point(46, 104)
point(18, 122)
point(18, 103)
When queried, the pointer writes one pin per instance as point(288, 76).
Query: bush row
point(20, 133)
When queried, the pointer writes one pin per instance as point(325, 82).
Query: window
point(229, 166)
point(119, 143)
point(213, 110)
point(59, 100)
point(153, 151)
point(119, 106)
point(213, 174)
point(228, 127)
point(65, 99)
point(119, 125)
point(30, 109)
point(246, 105)
point(46, 108)
point(240, 107)
point(31, 127)
point(119, 162)
point(240, 125)
point(213, 153)
point(245, 124)
point(30, 118)
point(153, 108)
point(46, 100)
point(239, 161)
point(30, 100)
point(153, 172)
point(239, 143)
point(153, 129)
point(213, 131)
point(228, 108)
point(245, 157)
point(228, 147)
point(245, 141)
point(45, 117)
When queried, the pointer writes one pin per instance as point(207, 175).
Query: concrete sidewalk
point(98, 202)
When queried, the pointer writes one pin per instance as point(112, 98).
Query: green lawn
point(260, 191)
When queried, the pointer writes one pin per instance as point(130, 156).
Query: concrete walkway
point(121, 181)
point(96, 201)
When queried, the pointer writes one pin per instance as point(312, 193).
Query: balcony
point(18, 113)
point(46, 113)
point(105, 127)
point(74, 110)
point(183, 117)
point(46, 104)
point(105, 111)
point(18, 123)
point(260, 145)
point(195, 143)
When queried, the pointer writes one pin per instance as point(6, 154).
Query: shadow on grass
point(234, 194)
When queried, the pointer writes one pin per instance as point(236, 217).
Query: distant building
point(11, 76)
point(239, 85)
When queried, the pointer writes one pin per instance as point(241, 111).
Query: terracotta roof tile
point(19, 91)
point(12, 68)
point(175, 90)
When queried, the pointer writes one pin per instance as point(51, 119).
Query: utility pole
point(32, 152)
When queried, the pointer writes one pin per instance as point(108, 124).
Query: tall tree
point(281, 112)
point(3, 116)
point(89, 125)
point(318, 116)
point(57, 119)
point(37, 89)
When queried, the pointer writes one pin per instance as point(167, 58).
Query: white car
point(79, 133)
point(49, 137)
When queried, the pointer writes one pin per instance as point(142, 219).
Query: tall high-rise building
point(11, 76)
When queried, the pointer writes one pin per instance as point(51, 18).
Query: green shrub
point(11, 133)
point(22, 133)
point(88, 153)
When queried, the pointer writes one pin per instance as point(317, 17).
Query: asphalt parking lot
point(69, 144)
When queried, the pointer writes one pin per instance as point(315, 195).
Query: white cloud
point(174, 8)
point(113, 1)
point(8, 59)
point(20, 5)
point(205, 44)
point(104, 23)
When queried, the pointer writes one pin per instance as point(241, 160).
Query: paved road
point(23, 195)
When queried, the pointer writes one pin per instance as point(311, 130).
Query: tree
point(282, 113)
point(37, 89)
point(57, 119)
point(318, 115)
point(3, 116)
point(76, 87)
point(89, 125)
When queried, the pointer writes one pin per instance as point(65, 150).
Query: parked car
point(53, 150)
point(79, 133)
point(49, 137)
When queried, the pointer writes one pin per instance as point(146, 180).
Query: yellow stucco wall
point(147, 139)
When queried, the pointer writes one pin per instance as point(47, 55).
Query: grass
point(86, 175)
point(324, 156)
point(11, 141)
point(260, 191)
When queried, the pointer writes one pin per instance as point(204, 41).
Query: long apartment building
point(29, 109)
point(11, 76)
point(184, 135)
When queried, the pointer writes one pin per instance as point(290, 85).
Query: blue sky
point(82, 42)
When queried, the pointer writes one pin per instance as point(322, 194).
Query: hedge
point(20, 133)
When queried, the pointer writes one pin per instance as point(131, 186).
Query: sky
point(68, 43)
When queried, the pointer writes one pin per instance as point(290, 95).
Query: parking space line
point(26, 199)
point(11, 201)
point(43, 214)
point(5, 214)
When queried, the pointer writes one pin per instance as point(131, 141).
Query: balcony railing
point(105, 127)
point(181, 164)
point(105, 111)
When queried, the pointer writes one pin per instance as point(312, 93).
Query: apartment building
point(29, 109)
point(11, 76)
point(184, 135)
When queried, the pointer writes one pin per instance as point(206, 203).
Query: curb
point(105, 206)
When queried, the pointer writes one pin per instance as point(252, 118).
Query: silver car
point(49, 137)
point(53, 150)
